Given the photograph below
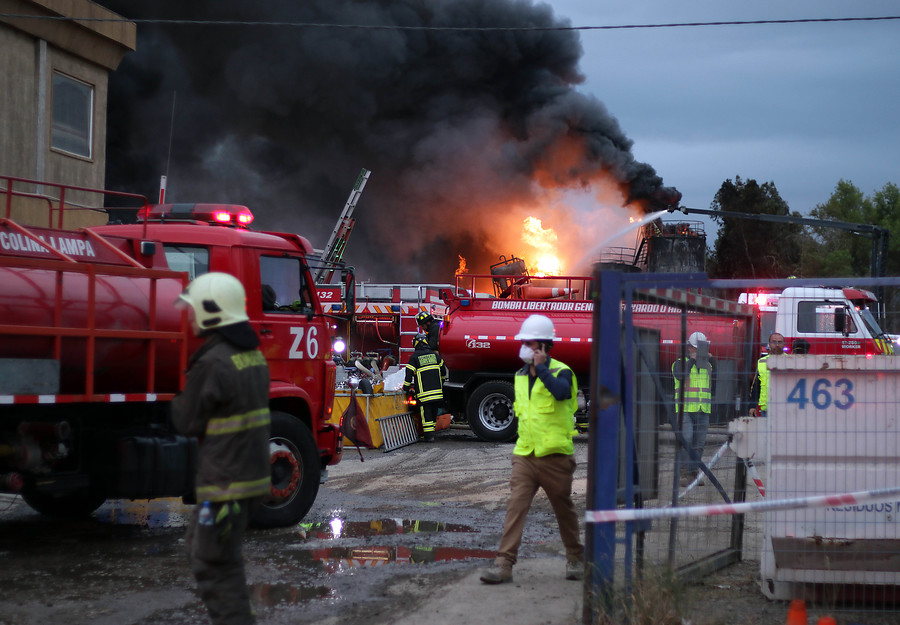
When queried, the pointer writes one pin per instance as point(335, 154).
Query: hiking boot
point(575, 569)
point(497, 574)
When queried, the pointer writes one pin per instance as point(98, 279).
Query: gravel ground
point(399, 538)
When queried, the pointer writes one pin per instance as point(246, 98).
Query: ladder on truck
point(409, 327)
point(334, 249)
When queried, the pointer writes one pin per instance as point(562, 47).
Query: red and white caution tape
point(754, 475)
point(818, 501)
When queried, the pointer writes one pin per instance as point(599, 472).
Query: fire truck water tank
point(28, 299)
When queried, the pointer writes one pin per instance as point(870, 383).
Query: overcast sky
point(801, 105)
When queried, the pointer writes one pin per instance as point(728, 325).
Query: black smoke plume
point(455, 125)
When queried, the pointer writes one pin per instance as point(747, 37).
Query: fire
point(461, 268)
point(544, 241)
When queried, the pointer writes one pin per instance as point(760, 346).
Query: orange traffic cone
point(797, 613)
point(827, 620)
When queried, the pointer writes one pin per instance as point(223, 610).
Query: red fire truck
point(92, 350)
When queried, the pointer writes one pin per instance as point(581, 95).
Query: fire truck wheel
point(296, 469)
point(490, 412)
point(76, 504)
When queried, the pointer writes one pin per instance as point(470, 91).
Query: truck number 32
point(312, 345)
point(822, 394)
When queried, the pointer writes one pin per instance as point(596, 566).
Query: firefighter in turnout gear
point(430, 328)
point(544, 456)
point(425, 375)
point(225, 404)
point(697, 374)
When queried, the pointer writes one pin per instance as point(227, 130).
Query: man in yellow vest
point(696, 374)
point(759, 391)
point(544, 455)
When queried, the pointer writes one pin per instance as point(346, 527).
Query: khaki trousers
point(553, 474)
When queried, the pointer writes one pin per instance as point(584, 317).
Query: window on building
point(72, 127)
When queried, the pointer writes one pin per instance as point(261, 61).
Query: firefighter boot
point(497, 574)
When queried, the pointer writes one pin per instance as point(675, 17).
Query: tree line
point(763, 249)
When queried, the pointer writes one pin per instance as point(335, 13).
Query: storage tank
point(676, 248)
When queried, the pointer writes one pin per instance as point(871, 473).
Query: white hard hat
point(218, 299)
point(696, 338)
point(536, 328)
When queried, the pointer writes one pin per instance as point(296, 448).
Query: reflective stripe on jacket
point(225, 403)
point(546, 424)
point(425, 374)
point(697, 394)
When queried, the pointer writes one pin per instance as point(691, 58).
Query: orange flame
point(461, 268)
point(544, 241)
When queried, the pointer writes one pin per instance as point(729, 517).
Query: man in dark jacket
point(225, 403)
point(425, 380)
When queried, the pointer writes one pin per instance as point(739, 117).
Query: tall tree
point(750, 248)
point(843, 252)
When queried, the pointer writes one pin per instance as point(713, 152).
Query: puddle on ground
point(153, 513)
point(338, 528)
point(272, 595)
point(337, 559)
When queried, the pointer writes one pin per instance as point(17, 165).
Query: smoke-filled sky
point(802, 105)
point(469, 132)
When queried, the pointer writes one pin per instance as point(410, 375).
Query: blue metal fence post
point(603, 442)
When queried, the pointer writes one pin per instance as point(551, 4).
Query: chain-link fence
point(746, 393)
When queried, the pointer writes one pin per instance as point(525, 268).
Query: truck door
point(294, 338)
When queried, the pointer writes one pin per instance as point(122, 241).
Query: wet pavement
point(401, 535)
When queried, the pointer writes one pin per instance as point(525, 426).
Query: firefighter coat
point(425, 375)
point(225, 403)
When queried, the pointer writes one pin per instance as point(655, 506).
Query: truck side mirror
point(840, 320)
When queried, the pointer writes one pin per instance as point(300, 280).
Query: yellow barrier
point(374, 407)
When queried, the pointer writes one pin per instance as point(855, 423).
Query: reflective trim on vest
point(762, 371)
point(697, 396)
point(235, 490)
point(546, 424)
point(238, 423)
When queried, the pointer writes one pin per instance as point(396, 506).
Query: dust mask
point(526, 354)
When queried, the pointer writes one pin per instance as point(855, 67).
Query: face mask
point(526, 354)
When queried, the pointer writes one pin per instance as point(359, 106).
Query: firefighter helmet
point(536, 328)
point(218, 299)
point(420, 340)
point(423, 317)
point(696, 338)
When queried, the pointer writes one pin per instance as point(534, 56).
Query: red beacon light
point(216, 214)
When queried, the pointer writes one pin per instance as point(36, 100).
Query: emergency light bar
point(217, 214)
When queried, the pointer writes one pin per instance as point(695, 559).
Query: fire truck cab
point(831, 321)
